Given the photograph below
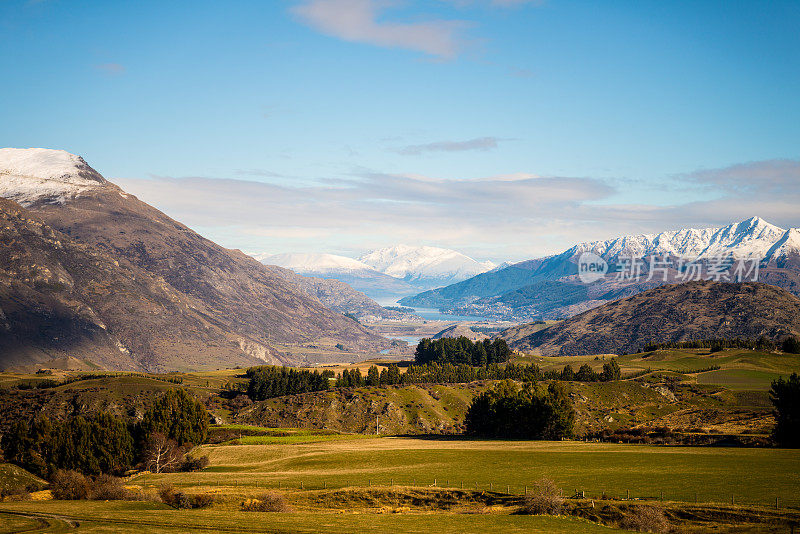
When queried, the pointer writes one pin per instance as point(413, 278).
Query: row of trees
point(108, 444)
point(789, 345)
point(462, 351)
point(530, 412)
point(785, 397)
point(269, 381)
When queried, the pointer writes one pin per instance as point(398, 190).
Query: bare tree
point(162, 454)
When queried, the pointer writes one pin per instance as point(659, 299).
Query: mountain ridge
point(239, 295)
point(778, 249)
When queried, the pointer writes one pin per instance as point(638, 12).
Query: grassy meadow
point(713, 474)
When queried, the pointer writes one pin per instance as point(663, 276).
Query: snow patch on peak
point(28, 175)
point(424, 263)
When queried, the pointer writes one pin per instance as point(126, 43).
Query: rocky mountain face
point(552, 288)
point(670, 313)
point(254, 306)
point(60, 299)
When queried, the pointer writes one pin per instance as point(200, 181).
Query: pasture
point(707, 474)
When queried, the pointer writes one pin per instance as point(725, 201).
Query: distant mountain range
point(89, 271)
point(672, 313)
point(389, 272)
point(551, 287)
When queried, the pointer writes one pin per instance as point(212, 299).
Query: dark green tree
point(785, 397)
point(373, 377)
point(791, 345)
point(178, 416)
point(611, 371)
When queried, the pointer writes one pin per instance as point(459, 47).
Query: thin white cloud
point(479, 143)
point(363, 21)
point(513, 216)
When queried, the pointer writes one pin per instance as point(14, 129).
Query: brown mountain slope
point(239, 295)
point(60, 299)
point(680, 312)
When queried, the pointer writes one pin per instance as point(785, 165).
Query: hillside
point(550, 287)
point(60, 299)
point(253, 306)
point(675, 312)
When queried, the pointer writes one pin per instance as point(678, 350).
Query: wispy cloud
point(111, 69)
point(511, 216)
point(479, 143)
point(362, 21)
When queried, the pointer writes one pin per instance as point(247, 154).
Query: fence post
point(508, 489)
point(325, 485)
point(462, 484)
point(491, 486)
point(434, 482)
point(662, 496)
point(731, 499)
point(391, 482)
point(627, 495)
point(526, 490)
point(695, 498)
point(776, 503)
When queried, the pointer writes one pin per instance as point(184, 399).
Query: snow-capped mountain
point(751, 238)
point(424, 265)
point(549, 287)
point(355, 273)
point(395, 271)
point(31, 174)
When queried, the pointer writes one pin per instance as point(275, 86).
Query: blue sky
point(504, 128)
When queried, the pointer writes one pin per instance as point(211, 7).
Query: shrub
point(108, 488)
point(646, 519)
point(181, 501)
point(176, 499)
point(191, 463)
point(69, 486)
point(201, 500)
point(16, 493)
point(268, 502)
point(543, 499)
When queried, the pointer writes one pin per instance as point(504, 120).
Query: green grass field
point(714, 474)
point(144, 517)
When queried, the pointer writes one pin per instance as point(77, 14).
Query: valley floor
point(405, 484)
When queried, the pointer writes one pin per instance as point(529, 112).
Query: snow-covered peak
point(313, 262)
point(751, 238)
point(424, 263)
point(28, 175)
point(788, 244)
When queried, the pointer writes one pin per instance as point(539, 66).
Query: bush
point(181, 501)
point(108, 488)
point(201, 500)
point(190, 463)
point(544, 499)
point(16, 493)
point(176, 499)
point(646, 519)
point(69, 486)
point(268, 502)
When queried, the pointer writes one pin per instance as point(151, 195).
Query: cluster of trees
point(611, 371)
point(507, 411)
point(790, 345)
point(269, 381)
point(462, 351)
point(107, 444)
point(785, 397)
